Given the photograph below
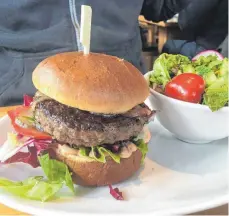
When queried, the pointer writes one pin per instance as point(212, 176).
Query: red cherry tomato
point(187, 87)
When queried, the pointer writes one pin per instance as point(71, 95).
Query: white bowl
point(192, 123)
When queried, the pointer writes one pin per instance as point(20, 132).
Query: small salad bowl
point(192, 123)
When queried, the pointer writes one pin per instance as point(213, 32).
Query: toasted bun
point(88, 172)
point(95, 82)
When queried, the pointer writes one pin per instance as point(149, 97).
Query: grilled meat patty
point(82, 128)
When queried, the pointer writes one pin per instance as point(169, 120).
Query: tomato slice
point(30, 132)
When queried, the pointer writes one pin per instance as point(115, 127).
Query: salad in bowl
point(191, 96)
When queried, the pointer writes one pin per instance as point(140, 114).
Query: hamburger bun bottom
point(92, 173)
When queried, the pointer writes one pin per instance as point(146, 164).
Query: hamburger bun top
point(96, 82)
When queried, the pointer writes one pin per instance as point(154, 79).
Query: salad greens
point(39, 188)
point(213, 70)
point(143, 147)
point(167, 66)
point(216, 95)
point(35, 188)
point(99, 153)
point(56, 171)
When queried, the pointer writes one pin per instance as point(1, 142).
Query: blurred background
point(154, 36)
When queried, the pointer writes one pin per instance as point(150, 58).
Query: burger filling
point(85, 134)
point(82, 128)
point(122, 149)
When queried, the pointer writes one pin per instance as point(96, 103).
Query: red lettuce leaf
point(31, 156)
point(116, 193)
point(27, 100)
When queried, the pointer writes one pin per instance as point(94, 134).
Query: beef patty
point(82, 128)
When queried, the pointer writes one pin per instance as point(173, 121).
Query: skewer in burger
point(93, 107)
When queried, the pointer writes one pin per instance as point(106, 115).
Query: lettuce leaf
point(208, 75)
point(216, 95)
point(224, 68)
point(211, 60)
point(35, 188)
point(143, 147)
point(56, 171)
point(167, 65)
point(39, 188)
point(160, 73)
point(98, 153)
point(115, 157)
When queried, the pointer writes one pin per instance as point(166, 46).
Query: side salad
point(203, 80)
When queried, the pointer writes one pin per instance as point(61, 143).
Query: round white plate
point(177, 178)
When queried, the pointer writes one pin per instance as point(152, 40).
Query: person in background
point(206, 22)
point(32, 30)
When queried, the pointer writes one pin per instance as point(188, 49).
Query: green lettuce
point(167, 66)
point(216, 95)
point(39, 188)
point(208, 74)
point(98, 153)
point(210, 62)
point(215, 74)
point(160, 74)
point(56, 171)
point(223, 71)
point(143, 147)
point(35, 188)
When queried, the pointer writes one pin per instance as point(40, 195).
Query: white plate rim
point(178, 211)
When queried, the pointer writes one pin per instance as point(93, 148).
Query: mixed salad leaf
point(209, 66)
point(38, 187)
point(116, 193)
point(35, 188)
point(99, 153)
point(167, 66)
point(143, 147)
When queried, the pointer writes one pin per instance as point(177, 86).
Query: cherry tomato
point(187, 87)
point(30, 132)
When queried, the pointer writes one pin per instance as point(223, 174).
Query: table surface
point(222, 210)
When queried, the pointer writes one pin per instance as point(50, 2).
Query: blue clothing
point(31, 30)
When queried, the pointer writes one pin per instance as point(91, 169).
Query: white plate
point(177, 178)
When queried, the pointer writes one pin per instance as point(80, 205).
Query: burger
point(93, 107)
